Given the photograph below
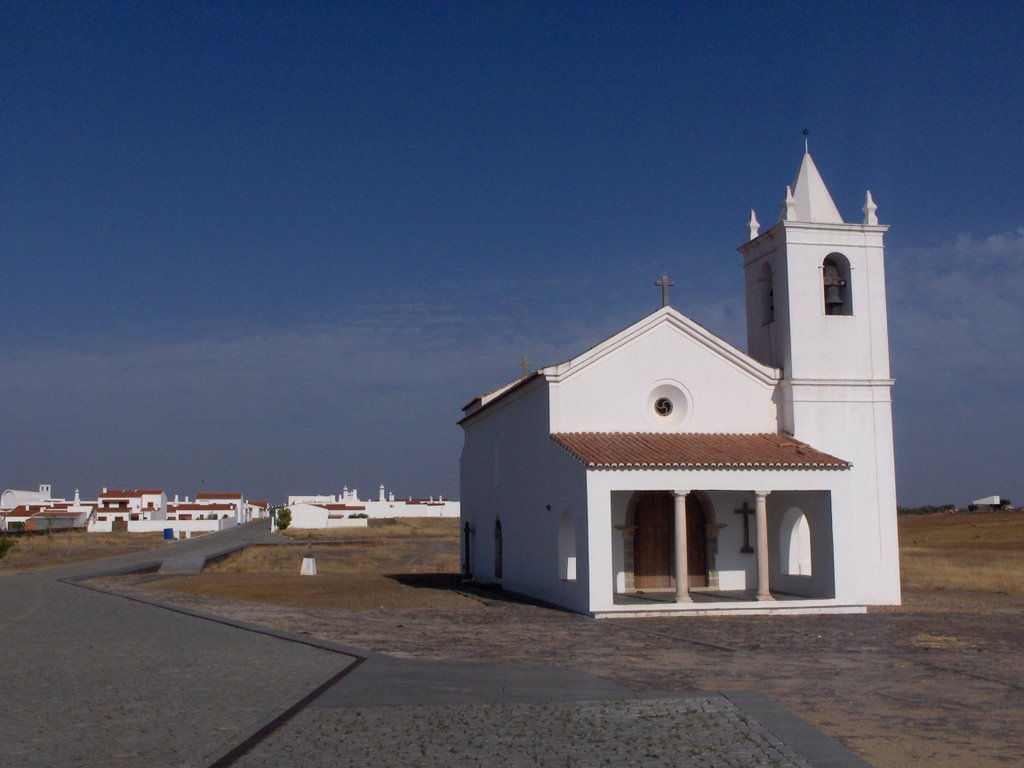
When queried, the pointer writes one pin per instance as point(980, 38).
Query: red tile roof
point(215, 495)
point(191, 507)
point(37, 511)
point(648, 450)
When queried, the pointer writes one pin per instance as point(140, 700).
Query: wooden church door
point(653, 542)
point(696, 538)
point(652, 546)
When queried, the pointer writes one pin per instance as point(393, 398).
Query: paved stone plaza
point(164, 679)
point(707, 730)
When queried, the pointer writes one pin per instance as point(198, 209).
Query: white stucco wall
point(802, 339)
point(512, 470)
point(614, 390)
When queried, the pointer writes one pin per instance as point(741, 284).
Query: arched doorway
point(653, 518)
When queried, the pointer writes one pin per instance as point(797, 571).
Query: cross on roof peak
point(664, 284)
point(525, 365)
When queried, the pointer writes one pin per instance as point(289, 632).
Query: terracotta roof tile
point(216, 495)
point(193, 507)
point(119, 493)
point(649, 450)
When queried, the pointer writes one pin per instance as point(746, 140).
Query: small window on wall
point(795, 542)
point(566, 548)
point(835, 278)
point(766, 286)
point(497, 549)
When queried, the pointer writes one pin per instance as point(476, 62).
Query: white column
point(761, 520)
point(682, 569)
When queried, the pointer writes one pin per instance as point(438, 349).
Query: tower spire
point(869, 209)
point(808, 200)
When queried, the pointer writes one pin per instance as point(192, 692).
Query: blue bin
point(168, 534)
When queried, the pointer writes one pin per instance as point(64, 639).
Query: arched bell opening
point(835, 278)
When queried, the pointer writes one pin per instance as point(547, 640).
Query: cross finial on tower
point(664, 284)
point(807, 133)
point(525, 365)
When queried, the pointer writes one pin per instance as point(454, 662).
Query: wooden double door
point(654, 537)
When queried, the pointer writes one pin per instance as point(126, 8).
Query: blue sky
point(275, 249)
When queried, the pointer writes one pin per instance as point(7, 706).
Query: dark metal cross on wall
point(746, 511)
point(664, 284)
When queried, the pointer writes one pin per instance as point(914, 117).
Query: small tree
point(284, 518)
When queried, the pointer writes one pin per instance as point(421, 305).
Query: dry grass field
point(393, 564)
point(44, 550)
point(420, 527)
point(977, 552)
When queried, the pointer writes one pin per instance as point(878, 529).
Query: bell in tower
point(834, 285)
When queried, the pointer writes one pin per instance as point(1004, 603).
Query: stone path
point(95, 679)
point(707, 730)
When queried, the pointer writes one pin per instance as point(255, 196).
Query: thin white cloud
point(956, 317)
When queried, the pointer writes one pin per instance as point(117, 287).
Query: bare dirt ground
point(937, 682)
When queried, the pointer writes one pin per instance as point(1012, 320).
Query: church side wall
point(512, 471)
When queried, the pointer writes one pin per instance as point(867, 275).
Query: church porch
point(743, 552)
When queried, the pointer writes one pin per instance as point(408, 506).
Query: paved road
point(95, 679)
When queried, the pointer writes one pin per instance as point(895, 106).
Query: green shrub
point(284, 518)
point(6, 542)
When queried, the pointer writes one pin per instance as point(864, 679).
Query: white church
point(666, 472)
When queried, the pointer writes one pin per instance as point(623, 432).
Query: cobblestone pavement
point(708, 731)
point(938, 683)
point(95, 679)
point(99, 680)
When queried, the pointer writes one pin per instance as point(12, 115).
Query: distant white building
point(39, 510)
point(989, 502)
point(128, 510)
point(330, 511)
point(139, 511)
point(12, 498)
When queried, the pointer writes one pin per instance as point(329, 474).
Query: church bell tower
point(815, 288)
point(816, 309)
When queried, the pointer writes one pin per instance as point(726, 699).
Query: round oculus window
point(667, 404)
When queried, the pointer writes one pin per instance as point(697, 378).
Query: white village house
point(41, 510)
point(345, 509)
point(766, 476)
point(129, 511)
point(148, 510)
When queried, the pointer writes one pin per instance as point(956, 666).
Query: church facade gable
point(663, 377)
